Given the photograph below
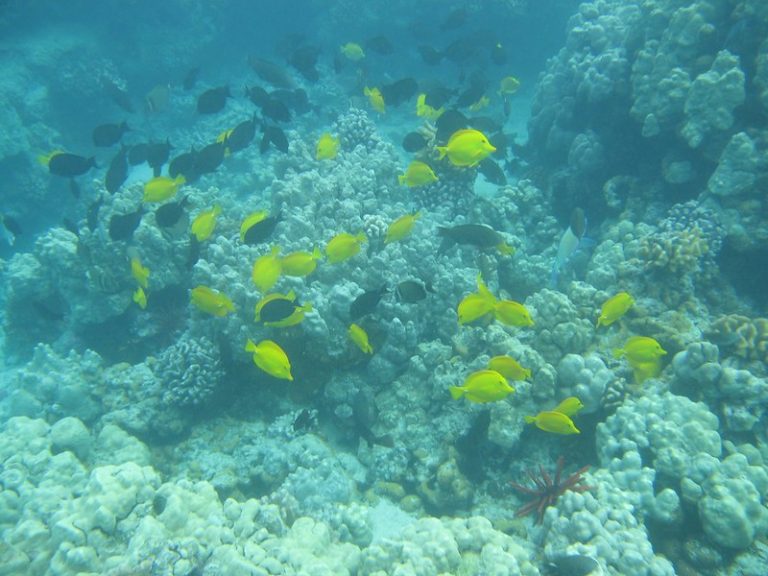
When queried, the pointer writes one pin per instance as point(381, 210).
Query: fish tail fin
point(456, 392)
point(401, 179)
point(361, 237)
point(306, 307)
point(443, 150)
point(505, 249)
point(250, 346)
point(317, 253)
point(618, 352)
point(180, 179)
point(530, 419)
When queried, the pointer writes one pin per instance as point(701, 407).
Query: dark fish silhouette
point(242, 135)
point(276, 110)
point(271, 72)
point(399, 92)
point(430, 55)
point(190, 79)
point(262, 230)
point(70, 165)
point(478, 235)
point(184, 164)
point(411, 291)
point(92, 215)
point(449, 121)
point(278, 309)
point(213, 100)
point(366, 302)
point(296, 100)
point(455, 19)
point(380, 44)
point(11, 224)
point(492, 172)
point(117, 173)
point(257, 95)
point(304, 59)
point(275, 136)
point(209, 158)
point(118, 95)
point(157, 155)
point(413, 142)
point(108, 135)
point(122, 226)
point(138, 154)
point(169, 214)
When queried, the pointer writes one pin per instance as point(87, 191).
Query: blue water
point(630, 159)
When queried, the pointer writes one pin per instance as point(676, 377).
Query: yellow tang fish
point(162, 188)
point(417, 174)
point(570, 406)
point(401, 227)
point(466, 147)
point(344, 246)
point(477, 304)
point(424, 110)
point(352, 51)
point(480, 104)
point(301, 263)
point(140, 297)
point(483, 386)
point(250, 221)
point(509, 368)
point(376, 99)
point(512, 313)
point(555, 422)
point(614, 308)
point(644, 356)
point(508, 85)
point(205, 223)
point(139, 272)
point(327, 147)
point(211, 301)
point(272, 359)
point(359, 337)
point(267, 269)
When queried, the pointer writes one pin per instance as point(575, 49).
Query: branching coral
point(547, 489)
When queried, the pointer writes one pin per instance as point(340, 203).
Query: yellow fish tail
point(443, 150)
point(456, 392)
point(401, 179)
point(618, 352)
point(505, 249)
point(530, 419)
point(250, 345)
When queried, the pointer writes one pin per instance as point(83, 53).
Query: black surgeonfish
point(449, 122)
point(380, 44)
point(169, 214)
point(366, 303)
point(242, 135)
point(430, 55)
point(278, 309)
point(70, 165)
point(262, 230)
point(122, 226)
point(276, 110)
point(413, 142)
point(190, 79)
point(209, 158)
point(304, 59)
point(157, 155)
point(117, 172)
point(492, 172)
point(273, 135)
point(399, 91)
point(107, 135)
point(138, 154)
point(213, 100)
point(184, 164)
point(257, 95)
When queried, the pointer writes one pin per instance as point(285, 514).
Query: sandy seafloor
point(146, 440)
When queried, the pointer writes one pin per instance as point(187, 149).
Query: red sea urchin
point(547, 489)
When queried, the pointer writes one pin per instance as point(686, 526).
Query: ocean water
point(383, 288)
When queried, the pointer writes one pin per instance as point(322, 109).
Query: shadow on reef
point(747, 271)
